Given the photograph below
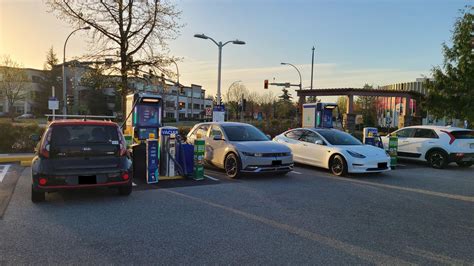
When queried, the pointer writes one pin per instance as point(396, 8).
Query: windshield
point(243, 133)
point(335, 137)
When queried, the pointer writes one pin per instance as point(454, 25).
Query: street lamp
point(64, 68)
point(288, 64)
point(219, 45)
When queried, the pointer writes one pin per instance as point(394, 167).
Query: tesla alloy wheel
point(338, 166)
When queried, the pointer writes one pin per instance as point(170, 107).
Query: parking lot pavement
point(306, 217)
point(9, 174)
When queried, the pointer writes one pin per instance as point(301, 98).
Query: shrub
point(16, 138)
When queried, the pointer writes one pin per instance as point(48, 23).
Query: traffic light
point(70, 99)
point(265, 84)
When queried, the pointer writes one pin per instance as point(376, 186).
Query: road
point(412, 215)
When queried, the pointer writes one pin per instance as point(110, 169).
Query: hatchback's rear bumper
point(55, 182)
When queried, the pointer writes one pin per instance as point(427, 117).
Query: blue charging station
point(157, 151)
point(318, 115)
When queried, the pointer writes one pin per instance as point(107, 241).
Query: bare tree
point(13, 82)
point(267, 103)
point(233, 96)
point(132, 32)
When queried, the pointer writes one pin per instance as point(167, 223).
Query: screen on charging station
point(148, 116)
point(144, 133)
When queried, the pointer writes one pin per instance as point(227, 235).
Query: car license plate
point(382, 165)
point(277, 162)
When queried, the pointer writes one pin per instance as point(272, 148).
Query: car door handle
point(304, 144)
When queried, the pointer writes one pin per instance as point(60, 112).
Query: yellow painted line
point(12, 159)
point(170, 177)
point(416, 190)
point(25, 163)
point(359, 252)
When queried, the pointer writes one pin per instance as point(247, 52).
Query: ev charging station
point(371, 137)
point(155, 148)
point(318, 115)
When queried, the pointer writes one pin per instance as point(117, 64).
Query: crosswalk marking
point(4, 171)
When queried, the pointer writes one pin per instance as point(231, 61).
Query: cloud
point(326, 75)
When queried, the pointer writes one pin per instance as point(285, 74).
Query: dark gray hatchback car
point(76, 154)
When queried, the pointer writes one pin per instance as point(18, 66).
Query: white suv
point(438, 145)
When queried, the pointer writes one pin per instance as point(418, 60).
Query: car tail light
point(452, 138)
point(43, 181)
point(125, 176)
point(122, 142)
point(45, 145)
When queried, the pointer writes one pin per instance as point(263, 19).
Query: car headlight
point(355, 154)
point(257, 154)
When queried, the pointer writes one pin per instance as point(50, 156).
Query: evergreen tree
point(52, 78)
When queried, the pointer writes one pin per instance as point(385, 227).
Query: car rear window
point(67, 135)
point(463, 134)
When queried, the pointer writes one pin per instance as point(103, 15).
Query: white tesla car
point(335, 150)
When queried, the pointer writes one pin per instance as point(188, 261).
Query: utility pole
point(242, 108)
point(312, 67)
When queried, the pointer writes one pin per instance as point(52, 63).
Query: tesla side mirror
point(319, 142)
point(218, 137)
point(35, 137)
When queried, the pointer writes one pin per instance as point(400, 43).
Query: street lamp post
point(288, 64)
point(219, 45)
point(64, 68)
point(178, 91)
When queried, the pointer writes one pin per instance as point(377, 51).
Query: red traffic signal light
point(265, 84)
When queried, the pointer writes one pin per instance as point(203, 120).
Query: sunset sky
point(357, 41)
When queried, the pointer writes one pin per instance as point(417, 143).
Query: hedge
point(16, 138)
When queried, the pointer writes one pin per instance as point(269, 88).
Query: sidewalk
point(23, 158)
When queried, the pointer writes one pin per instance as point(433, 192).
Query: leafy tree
point(342, 104)
point(367, 106)
point(13, 83)
point(451, 93)
point(312, 99)
point(52, 78)
point(133, 33)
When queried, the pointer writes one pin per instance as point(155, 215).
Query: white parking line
point(4, 172)
point(298, 173)
point(212, 178)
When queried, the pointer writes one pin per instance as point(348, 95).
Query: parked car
point(438, 145)
point(241, 148)
point(80, 154)
point(335, 150)
point(25, 116)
